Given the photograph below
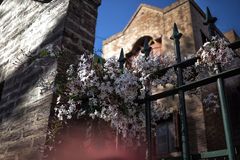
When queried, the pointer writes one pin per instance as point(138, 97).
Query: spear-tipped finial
point(209, 18)
point(146, 48)
point(121, 59)
point(210, 21)
point(176, 34)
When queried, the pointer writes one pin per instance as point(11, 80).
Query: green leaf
point(43, 53)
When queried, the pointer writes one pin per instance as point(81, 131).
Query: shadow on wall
point(24, 111)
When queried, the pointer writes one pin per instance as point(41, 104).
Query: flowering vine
point(104, 91)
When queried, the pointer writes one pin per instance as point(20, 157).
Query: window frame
point(176, 138)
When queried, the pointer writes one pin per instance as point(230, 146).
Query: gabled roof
point(140, 7)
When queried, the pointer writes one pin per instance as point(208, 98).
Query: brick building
point(26, 28)
point(205, 126)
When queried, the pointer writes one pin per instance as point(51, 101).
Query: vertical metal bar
point(184, 127)
point(146, 50)
point(148, 127)
point(121, 62)
point(210, 21)
point(225, 115)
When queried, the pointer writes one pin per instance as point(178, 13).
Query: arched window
point(136, 48)
point(138, 45)
point(156, 45)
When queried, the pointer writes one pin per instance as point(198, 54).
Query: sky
point(113, 15)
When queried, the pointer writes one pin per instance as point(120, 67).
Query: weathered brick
point(11, 136)
point(79, 29)
point(71, 35)
point(19, 145)
point(73, 47)
point(25, 30)
point(30, 131)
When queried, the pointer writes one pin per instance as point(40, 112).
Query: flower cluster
point(106, 92)
point(213, 52)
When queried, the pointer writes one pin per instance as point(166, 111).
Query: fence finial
point(121, 59)
point(146, 48)
point(176, 34)
point(210, 21)
point(209, 18)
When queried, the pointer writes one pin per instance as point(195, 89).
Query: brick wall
point(26, 27)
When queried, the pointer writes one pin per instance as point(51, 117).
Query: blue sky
point(113, 15)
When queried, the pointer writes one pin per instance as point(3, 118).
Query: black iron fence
point(182, 88)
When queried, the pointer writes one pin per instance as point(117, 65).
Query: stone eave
point(113, 37)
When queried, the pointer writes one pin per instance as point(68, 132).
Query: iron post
point(121, 61)
point(182, 108)
point(225, 114)
point(148, 126)
point(146, 50)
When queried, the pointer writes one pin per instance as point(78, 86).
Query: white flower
point(213, 52)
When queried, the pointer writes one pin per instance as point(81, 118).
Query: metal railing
point(182, 88)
